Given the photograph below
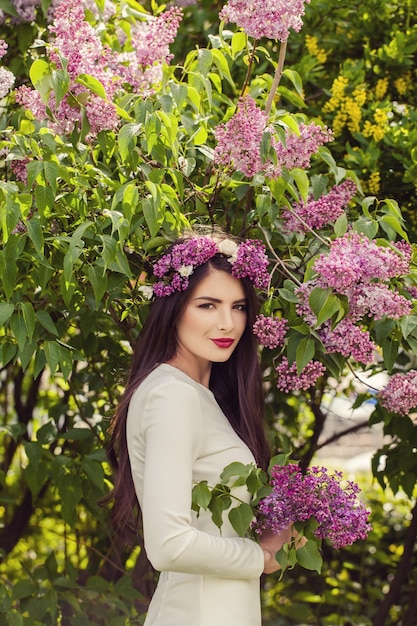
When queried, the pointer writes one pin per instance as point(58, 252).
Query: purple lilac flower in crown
point(248, 260)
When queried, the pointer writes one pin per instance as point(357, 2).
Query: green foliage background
point(95, 213)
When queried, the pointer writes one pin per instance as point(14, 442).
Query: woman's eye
point(240, 307)
point(206, 305)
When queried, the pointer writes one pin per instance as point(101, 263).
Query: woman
point(192, 405)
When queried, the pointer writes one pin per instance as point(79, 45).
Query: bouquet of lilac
point(315, 504)
point(318, 507)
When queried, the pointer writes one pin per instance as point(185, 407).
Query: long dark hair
point(236, 384)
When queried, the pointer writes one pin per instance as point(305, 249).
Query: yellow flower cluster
point(338, 93)
point(374, 183)
point(348, 108)
point(378, 130)
point(381, 88)
point(402, 83)
point(314, 50)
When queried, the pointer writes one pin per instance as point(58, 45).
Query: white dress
point(177, 436)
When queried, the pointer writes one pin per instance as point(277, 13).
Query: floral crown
point(248, 260)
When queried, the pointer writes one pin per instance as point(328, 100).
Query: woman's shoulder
point(167, 377)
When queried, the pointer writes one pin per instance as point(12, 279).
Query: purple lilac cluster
point(78, 43)
point(239, 143)
point(317, 213)
point(360, 270)
point(248, 260)
point(290, 380)
point(142, 67)
point(176, 266)
point(251, 262)
point(6, 77)
point(297, 149)
point(25, 11)
point(270, 331)
point(400, 394)
point(342, 519)
point(265, 18)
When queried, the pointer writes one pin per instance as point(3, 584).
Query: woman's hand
point(271, 543)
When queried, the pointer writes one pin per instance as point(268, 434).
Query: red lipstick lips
point(223, 343)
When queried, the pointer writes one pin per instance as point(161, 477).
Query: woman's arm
point(173, 430)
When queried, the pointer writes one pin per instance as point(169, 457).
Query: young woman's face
point(213, 321)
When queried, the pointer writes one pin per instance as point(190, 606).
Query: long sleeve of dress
point(165, 437)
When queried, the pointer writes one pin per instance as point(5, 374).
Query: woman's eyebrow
point(217, 301)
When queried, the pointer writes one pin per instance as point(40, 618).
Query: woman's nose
point(225, 321)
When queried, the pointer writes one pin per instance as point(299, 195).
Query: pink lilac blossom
point(290, 380)
point(400, 394)
point(142, 67)
point(19, 169)
point(108, 11)
point(26, 10)
point(297, 149)
point(318, 213)
point(7, 79)
point(239, 143)
point(77, 41)
point(265, 18)
point(270, 331)
point(349, 340)
point(342, 518)
point(359, 270)
point(252, 262)
point(353, 258)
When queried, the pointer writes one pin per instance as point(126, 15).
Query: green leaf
point(366, 227)
point(70, 492)
point(52, 355)
point(76, 434)
point(60, 81)
point(35, 233)
point(219, 504)
point(98, 280)
point(407, 324)
point(302, 182)
point(205, 60)
point(236, 470)
point(309, 557)
point(340, 225)
point(40, 75)
point(305, 352)
point(239, 43)
point(393, 224)
point(95, 473)
point(390, 353)
point(6, 311)
point(18, 328)
point(127, 139)
point(201, 496)
point(8, 7)
point(241, 518)
point(46, 321)
point(93, 84)
point(28, 318)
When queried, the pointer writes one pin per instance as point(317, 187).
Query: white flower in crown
point(146, 291)
point(229, 248)
point(186, 270)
